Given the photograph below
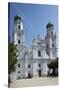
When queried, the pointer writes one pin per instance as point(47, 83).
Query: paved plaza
point(42, 81)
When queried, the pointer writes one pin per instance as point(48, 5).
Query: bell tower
point(49, 28)
point(18, 31)
point(49, 38)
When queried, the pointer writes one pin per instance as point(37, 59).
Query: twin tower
point(33, 61)
point(19, 37)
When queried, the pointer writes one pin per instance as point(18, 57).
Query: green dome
point(17, 17)
point(49, 25)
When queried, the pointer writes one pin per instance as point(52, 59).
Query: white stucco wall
point(31, 58)
point(45, 69)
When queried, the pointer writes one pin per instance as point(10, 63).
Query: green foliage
point(54, 64)
point(12, 58)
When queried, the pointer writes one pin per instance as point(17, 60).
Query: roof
point(49, 25)
point(17, 17)
point(37, 39)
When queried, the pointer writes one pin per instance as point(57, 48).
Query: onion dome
point(49, 25)
point(17, 17)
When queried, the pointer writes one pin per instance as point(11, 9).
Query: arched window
point(39, 53)
point(52, 33)
point(39, 65)
point(18, 71)
point(18, 26)
point(18, 65)
point(18, 41)
point(53, 45)
point(29, 66)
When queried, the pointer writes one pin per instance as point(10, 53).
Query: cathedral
point(32, 61)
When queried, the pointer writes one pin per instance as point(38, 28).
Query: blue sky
point(35, 17)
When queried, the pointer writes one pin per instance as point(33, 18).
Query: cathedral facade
point(32, 62)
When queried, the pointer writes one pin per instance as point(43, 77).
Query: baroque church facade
point(32, 62)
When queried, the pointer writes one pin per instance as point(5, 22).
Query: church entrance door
point(39, 73)
point(29, 76)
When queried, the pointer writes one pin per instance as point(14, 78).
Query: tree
point(54, 65)
point(12, 59)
